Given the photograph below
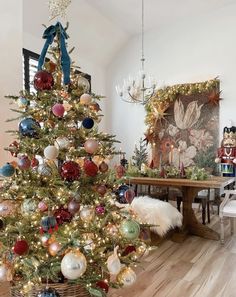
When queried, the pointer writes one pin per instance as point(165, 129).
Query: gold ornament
point(126, 277)
point(54, 248)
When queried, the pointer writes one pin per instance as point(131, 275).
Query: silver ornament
point(73, 265)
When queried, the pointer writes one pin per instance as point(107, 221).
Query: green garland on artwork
point(162, 99)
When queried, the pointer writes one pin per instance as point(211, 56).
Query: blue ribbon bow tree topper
point(49, 34)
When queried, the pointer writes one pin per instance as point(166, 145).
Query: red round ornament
point(21, 247)
point(62, 215)
point(43, 80)
point(70, 171)
point(24, 163)
point(34, 162)
point(103, 167)
point(129, 195)
point(102, 189)
point(128, 250)
point(58, 110)
point(90, 168)
point(103, 285)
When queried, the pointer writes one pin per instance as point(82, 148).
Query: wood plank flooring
point(195, 268)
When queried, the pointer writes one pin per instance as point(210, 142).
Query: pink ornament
point(120, 171)
point(85, 99)
point(73, 207)
point(58, 110)
point(24, 163)
point(100, 210)
point(91, 146)
point(42, 206)
point(129, 195)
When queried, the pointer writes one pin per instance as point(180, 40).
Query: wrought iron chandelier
point(141, 89)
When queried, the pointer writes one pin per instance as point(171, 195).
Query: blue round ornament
point(29, 127)
point(88, 123)
point(120, 194)
point(48, 292)
point(7, 170)
point(48, 222)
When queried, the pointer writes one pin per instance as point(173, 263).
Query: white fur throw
point(156, 212)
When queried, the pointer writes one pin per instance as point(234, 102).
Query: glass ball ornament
point(24, 163)
point(82, 83)
point(73, 206)
point(62, 216)
point(100, 209)
point(21, 247)
point(48, 292)
point(14, 148)
point(48, 223)
point(51, 152)
point(91, 146)
point(73, 265)
point(88, 123)
point(129, 195)
point(87, 214)
point(126, 277)
point(90, 168)
point(103, 167)
point(67, 106)
point(29, 127)
point(58, 110)
point(23, 102)
point(102, 189)
point(34, 162)
point(120, 171)
point(94, 106)
point(88, 245)
point(45, 239)
point(128, 250)
point(45, 170)
point(7, 208)
point(62, 143)
point(42, 206)
point(54, 248)
point(120, 194)
point(85, 99)
point(103, 285)
point(43, 80)
point(70, 171)
point(29, 206)
point(129, 229)
point(7, 170)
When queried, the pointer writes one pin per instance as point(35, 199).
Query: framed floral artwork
point(184, 131)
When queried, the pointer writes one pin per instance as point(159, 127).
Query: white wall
point(194, 49)
point(11, 67)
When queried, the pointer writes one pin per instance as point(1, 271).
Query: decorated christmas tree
point(140, 154)
point(60, 231)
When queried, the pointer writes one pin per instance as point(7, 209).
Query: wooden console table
point(189, 188)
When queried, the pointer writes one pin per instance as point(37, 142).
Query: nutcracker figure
point(227, 152)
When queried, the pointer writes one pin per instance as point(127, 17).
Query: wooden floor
point(195, 268)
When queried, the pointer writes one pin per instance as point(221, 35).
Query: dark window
point(30, 64)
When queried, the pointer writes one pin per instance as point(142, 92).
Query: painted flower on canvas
point(201, 139)
point(186, 119)
point(184, 154)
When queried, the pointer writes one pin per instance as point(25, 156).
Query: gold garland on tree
point(158, 105)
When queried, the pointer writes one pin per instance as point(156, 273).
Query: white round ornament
point(91, 146)
point(51, 152)
point(73, 265)
point(86, 214)
point(62, 143)
point(89, 245)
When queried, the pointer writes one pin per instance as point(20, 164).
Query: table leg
point(190, 222)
